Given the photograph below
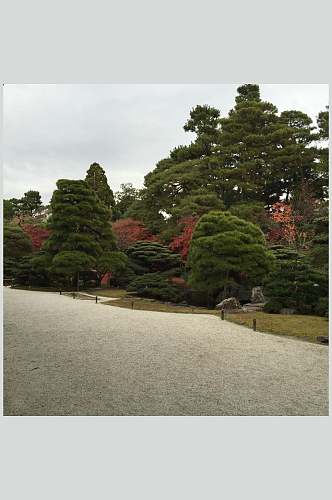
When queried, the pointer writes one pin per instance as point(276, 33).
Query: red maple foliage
point(181, 243)
point(128, 231)
point(285, 228)
point(37, 234)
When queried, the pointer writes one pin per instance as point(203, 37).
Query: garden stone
point(257, 295)
point(230, 304)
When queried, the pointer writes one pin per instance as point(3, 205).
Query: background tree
point(97, 180)
point(319, 248)
point(125, 198)
point(31, 203)
point(252, 212)
point(225, 253)
point(323, 136)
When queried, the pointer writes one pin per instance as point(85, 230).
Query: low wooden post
point(74, 295)
point(222, 314)
point(254, 324)
point(132, 305)
point(96, 299)
point(60, 292)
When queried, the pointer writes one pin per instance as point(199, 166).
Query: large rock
point(257, 296)
point(230, 305)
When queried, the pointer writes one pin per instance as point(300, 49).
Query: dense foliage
point(227, 252)
point(81, 231)
point(156, 286)
point(97, 181)
point(203, 225)
point(149, 257)
point(129, 231)
point(295, 284)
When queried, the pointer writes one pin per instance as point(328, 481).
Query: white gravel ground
point(73, 357)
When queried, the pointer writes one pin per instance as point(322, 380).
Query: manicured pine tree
point(151, 257)
point(225, 253)
point(16, 245)
point(81, 232)
point(295, 284)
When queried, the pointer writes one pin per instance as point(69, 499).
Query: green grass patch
point(294, 325)
point(154, 305)
point(113, 293)
point(303, 327)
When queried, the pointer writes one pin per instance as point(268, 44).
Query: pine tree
point(31, 202)
point(80, 227)
point(97, 181)
point(294, 283)
point(226, 252)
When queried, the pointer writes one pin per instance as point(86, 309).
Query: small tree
point(16, 245)
point(149, 257)
point(226, 251)
point(111, 262)
point(70, 263)
point(16, 242)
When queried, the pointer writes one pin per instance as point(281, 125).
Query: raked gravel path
point(74, 357)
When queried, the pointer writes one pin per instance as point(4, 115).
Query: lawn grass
point(149, 305)
point(295, 325)
point(303, 327)
point(114, 293)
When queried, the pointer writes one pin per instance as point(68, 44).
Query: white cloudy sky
point(57, 131)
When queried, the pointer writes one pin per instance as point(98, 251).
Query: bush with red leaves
point(37, 234)
point(128, 231)
point(181, 243)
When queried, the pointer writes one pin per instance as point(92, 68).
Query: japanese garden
point(233, 227)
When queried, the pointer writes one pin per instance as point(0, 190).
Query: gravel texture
point(65, 356)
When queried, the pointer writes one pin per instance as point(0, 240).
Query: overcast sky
point(57, 131)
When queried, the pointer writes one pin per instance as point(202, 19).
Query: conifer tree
point(226, 252)
point(97, 181)
point(80, 227)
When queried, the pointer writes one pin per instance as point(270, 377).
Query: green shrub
point(294, 283)
point(155, 286)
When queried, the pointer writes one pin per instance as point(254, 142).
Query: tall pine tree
point(81, 233)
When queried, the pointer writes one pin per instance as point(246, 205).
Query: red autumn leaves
point(128, 231)
point(37, 235)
